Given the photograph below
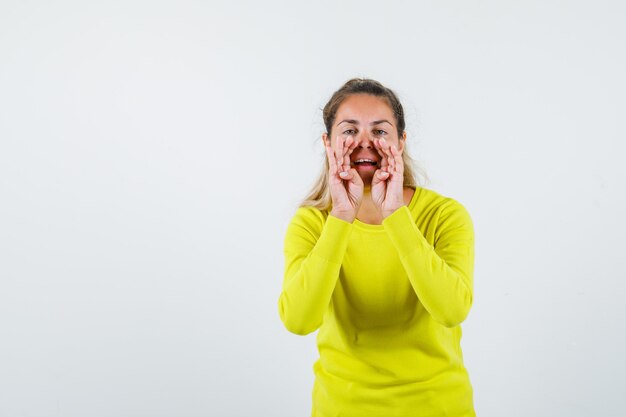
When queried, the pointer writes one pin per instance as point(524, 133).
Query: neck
point(367, 192)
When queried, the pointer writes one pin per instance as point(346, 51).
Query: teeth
point(363, 160)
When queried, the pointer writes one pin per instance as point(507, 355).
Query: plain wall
point(152, 154)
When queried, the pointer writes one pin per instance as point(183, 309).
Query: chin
point(366, 177)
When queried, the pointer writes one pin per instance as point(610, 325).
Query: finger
point(392, 159)
point(351, 149)
point(377, 146)
point(339, 153)
point(383, 156)
point(347, 151)
point(379, 176)
point(355, 178)
point(332, 162)
point(397, 157)
point(388, 155)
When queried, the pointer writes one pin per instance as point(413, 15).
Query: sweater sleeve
point(441, 275)
point(314, 249)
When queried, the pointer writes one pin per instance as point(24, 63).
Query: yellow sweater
point(387, 300)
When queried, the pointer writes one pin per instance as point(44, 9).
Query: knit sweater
point(388, 301)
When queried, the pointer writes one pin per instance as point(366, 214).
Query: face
point(365, 118)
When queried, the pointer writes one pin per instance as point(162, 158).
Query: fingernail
point(343, 174)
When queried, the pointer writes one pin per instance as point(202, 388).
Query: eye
point(379, 132)
point(349, 132)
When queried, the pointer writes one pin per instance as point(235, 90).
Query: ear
point(401, 142)
point(325, 139)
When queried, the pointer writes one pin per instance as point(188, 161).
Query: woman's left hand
point(388, 181)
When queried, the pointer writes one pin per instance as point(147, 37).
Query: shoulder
point(307, 222)
point(444, 211)
point(427, 199)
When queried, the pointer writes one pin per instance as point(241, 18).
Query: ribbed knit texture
point(388, 301)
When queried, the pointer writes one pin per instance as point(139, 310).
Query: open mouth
point(364, 162)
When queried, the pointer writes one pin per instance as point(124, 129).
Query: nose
point(364, 140)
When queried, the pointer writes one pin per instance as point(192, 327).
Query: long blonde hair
point(319, 195)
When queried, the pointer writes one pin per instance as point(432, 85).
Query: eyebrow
point(355, 122)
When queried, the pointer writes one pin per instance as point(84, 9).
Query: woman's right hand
point(346, 185)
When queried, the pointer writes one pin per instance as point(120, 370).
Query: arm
point(442, 276)
point(314, 250)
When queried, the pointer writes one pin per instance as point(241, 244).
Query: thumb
point(355, 178)
point(379, 176)
point(345, 175)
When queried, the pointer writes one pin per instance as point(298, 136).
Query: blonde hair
point(319, 195)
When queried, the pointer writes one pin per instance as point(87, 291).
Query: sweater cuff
point(333, 240)
point(403, 231)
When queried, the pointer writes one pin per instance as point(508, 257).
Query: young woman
point(382, 267)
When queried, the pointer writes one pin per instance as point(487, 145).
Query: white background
point(153, 152)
